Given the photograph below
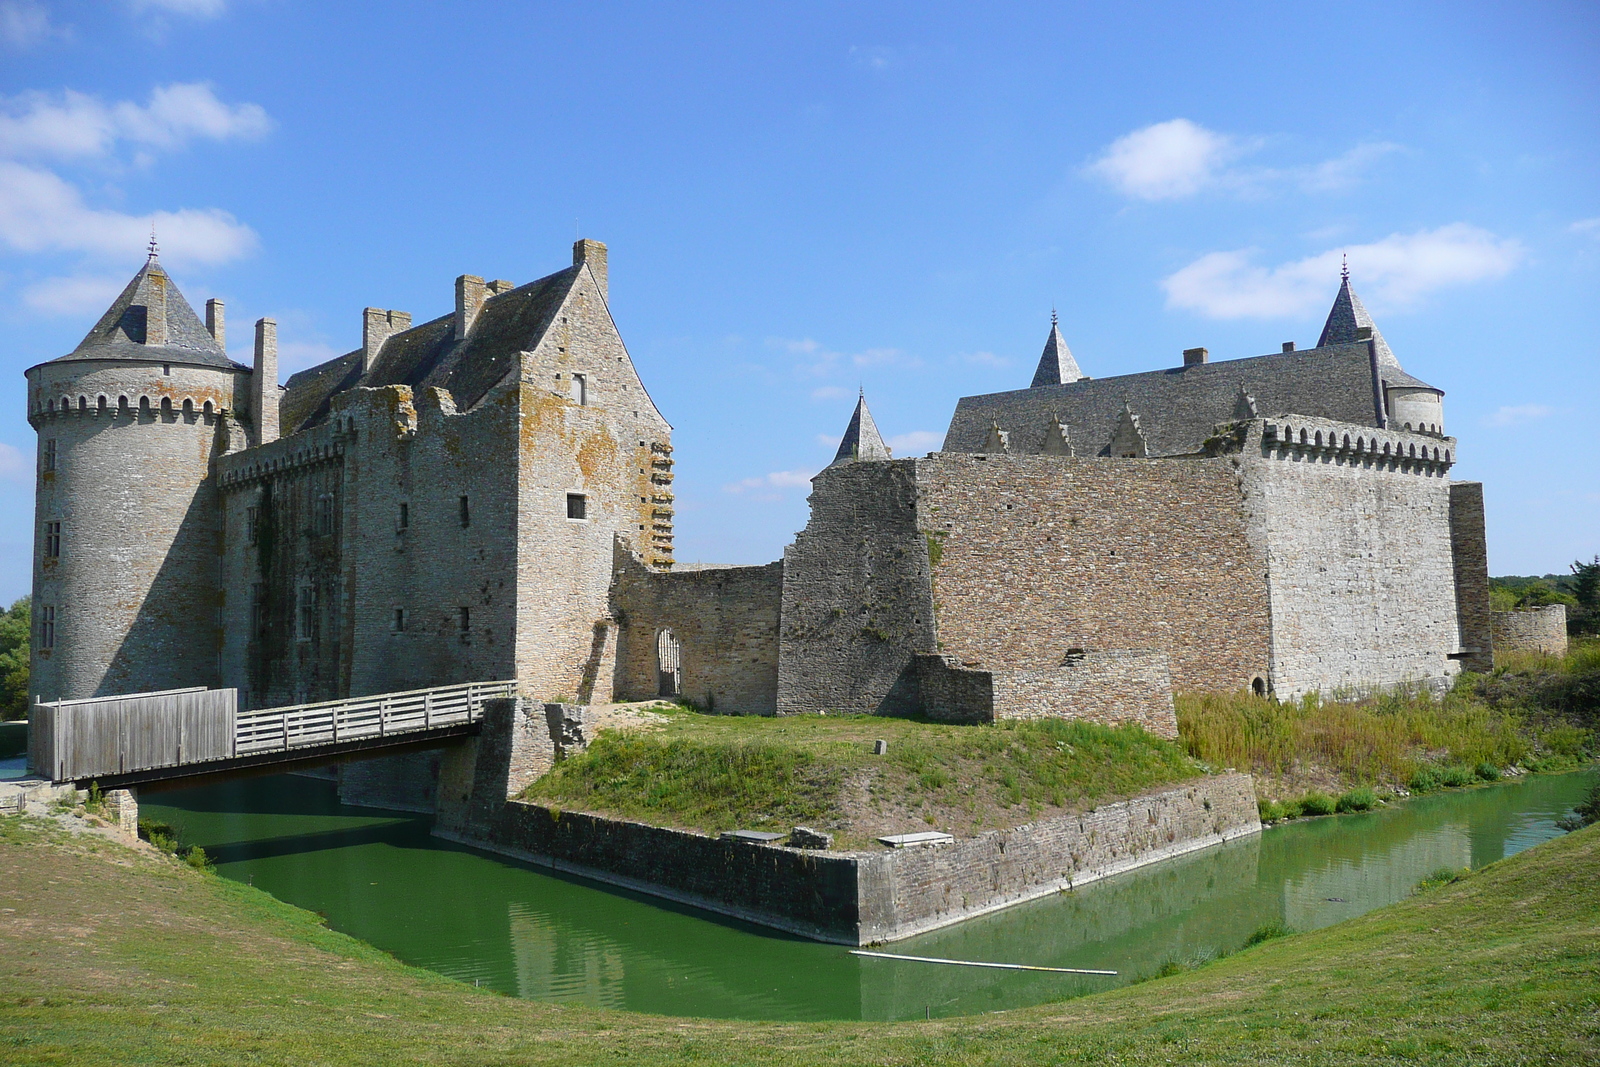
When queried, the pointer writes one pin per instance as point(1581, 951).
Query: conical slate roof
point(861, 440)
point(1056, 365)
point(1347, 316)
point(121, 331)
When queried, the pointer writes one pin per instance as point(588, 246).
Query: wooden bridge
point(183, 737)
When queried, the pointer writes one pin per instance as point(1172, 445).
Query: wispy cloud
point(15, 466)
point(876, 58)
point(1396, 271)
point(981, 359)
point(915, 443)
point(1587, 227)
point(40, 212)
point(1516, 414)
point(770, 486)
point(1179, 158)
point(24, 23)
point(81, 294)
point(72, 125)
point(202, 9)
point(830, 392)
point(815, 360)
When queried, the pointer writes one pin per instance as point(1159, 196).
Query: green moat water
point(380, 877)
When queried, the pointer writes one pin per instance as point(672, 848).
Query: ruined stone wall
point(1037, 556)
point(135, 586)
point(857, 595)
point(1469, 549)
point(1356, 526)
point(606, 442)
point(1532, 630)
point(1110, 688)
point(726, 620)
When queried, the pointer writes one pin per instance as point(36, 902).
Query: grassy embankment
point(711, 772)
point(1532, 712)
point(112, 956)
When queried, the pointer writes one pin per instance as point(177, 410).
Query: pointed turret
point(151, 320)
point(861, 439)
point(1348, 318)
point(1244, 406)
point(1127, 441)
point(1057, 441)
point(1056, 365)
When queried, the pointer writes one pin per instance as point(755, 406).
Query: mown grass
point(108, 957)
point(712, 773)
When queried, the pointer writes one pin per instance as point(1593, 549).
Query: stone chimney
point(594, 254)
point(1288, 346)
point(378, 325)
point(470, 293)
point(214, 323)
point(1194, 356)
point(264, 382)
point(155, 312)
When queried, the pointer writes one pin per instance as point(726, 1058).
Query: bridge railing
point(358, 718)
point(78, 740)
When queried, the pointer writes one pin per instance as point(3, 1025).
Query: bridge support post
point(123, 806)
point(513, 748)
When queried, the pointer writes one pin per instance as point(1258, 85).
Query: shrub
point(1271, 810)
point(1267, 932)
point(1424, 781)
point(159, 834)
point(1457, 775)
point(1568, 742)
point(1442, 876)
point(1487, 771)
point(1316, 804)
point(1360, 799)
point(1585, 814)
point(196, 857)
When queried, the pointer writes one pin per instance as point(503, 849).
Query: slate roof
point(1177, 409)
point(861, 438)
point(120, 333)
point(431, 354)
point(1056, 365)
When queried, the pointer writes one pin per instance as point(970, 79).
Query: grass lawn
point(721, 772)
point(111, 956)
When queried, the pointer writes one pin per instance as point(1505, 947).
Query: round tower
point(125, 562)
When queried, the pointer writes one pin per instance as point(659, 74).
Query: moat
point(380, 877)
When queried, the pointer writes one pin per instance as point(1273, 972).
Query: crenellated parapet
point(1297, 437)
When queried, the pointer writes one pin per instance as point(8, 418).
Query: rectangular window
point(403, 520)
point(50, 454)
point(464, 622)
point(399, 625)
point(52, 540)
point(252, 524)
point(325, 515)
point(258, 610)
point(47, 627)
point(580, 388)
point(308, 616)
point(577, 506)
point(466, 513)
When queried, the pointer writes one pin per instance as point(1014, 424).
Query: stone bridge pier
point(519, 741)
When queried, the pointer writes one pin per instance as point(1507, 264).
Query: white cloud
point(875, 58)
point(830, 392)
point(1518, 413)
point(15, 466)
point(81, 294)
point(24, 23)
point(814, 360)
point(1179, 158)
point(762, 488)
point(298, 355)
point(915, 443)
point(203, 9)
point(829, 440)
point(39, 212)
point(1398, 270)
point(1166, 160)
point(76, 125)
point(982, 359)
point(1588, 227)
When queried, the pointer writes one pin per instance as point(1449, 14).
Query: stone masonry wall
point(726, 620)
point(1039, 556)
point(1533, 630)
point(1356, 525)
point(135, 586)
point(857, 595)
point(1110, 688)
point(1469, 549)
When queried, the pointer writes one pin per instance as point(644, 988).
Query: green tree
point(1586, 583)
point(1543, 594)
point(16, 634)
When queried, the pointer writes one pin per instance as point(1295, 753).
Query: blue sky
point(801, 200)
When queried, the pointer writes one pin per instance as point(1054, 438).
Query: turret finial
point(154, 249)
point(1053, 321)
point(1344, 268)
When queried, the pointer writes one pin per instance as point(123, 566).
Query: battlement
point(1410, 452)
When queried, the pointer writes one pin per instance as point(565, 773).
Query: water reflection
point(380, 877)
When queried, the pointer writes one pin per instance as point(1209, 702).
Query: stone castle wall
point(1532, 630)
point(1470, 550)
point(1357, 539)
point(726, 621)
point(1110, 688)
point(1038, 556)
point(134, 589)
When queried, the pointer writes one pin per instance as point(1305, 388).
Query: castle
point(488, 494)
